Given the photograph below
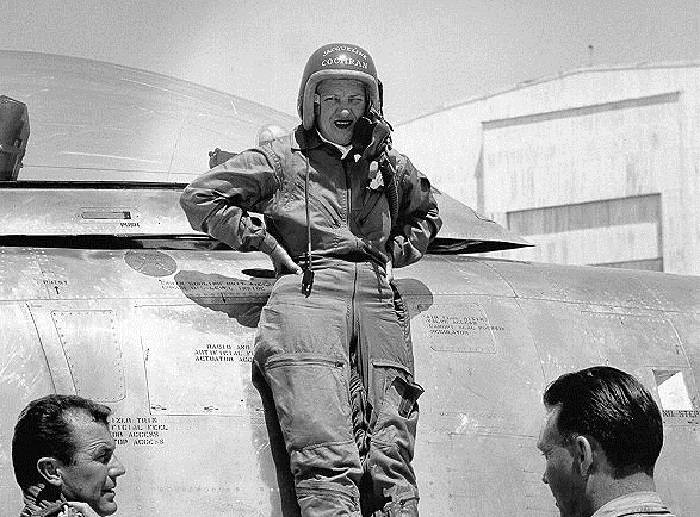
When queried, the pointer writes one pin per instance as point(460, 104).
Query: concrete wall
point(558, 147)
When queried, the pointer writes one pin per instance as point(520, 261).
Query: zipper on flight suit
point(305, 359)
point(308, 275)
point(348, 201)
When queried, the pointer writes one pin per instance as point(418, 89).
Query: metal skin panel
point(24, 375)
point(21, 276)
point(191, 428)
point(687, 326)
point(218, 366)
point(457, 275)
point(83, 211)
point(575, 284)
point(476, 360)
point(93, 352)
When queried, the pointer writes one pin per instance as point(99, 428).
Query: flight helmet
point(337, 61)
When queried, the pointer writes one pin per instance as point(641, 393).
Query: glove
point(373, 134)
point(282, 262)
point(218, 156)
point(379, 143)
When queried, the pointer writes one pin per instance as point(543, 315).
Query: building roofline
point(547, 78)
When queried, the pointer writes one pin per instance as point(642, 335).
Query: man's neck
point(603, 489)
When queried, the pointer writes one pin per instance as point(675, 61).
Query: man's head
point(329, 68)
point(64, 442)
point(602, 430)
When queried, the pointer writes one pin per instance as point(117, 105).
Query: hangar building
point(596, 166)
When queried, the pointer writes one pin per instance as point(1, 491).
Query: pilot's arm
point(418, 219)
point(218, 202)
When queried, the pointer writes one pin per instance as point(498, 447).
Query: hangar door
point(588, 185)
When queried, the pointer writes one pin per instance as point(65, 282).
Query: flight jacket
point(349, 211)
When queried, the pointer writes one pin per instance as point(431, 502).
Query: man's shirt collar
point(633, 502)
point(344, 149)
point(312, 138)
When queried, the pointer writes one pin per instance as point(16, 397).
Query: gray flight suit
point(339, 363)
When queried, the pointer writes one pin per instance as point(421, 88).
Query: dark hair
point(44, 429)
point(614, 408)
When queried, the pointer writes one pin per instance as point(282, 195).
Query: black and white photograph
point(349, 259)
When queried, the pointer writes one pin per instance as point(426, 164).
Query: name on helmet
point(345, 48)
point(344, 59)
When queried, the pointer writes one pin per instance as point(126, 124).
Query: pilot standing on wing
point(341, 209)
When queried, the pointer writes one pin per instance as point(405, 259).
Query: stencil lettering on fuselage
point(138, 431)
point(198, 360)
point(224, 352)
point(460, 327)
point(677, 406)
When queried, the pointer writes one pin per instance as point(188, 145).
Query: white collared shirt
point(636, 503)
point(344, 149)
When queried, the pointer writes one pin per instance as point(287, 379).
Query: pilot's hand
point(283, 263)
point(75, 509)
point(219, 156)
point(379, 143)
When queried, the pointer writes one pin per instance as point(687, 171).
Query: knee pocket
point(310, 393)
point(397, 415)
point(293, 328)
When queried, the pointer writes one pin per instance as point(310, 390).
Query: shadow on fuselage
point(202, 288)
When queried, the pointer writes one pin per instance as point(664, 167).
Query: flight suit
point(339, 362)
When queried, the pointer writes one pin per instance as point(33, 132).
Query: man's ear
point(583, 455)
point(48, 467)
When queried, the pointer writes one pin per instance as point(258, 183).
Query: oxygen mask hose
point(374, 133)
point(389, 178)
point(307, 280)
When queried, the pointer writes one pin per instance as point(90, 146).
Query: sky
point(428, 53)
